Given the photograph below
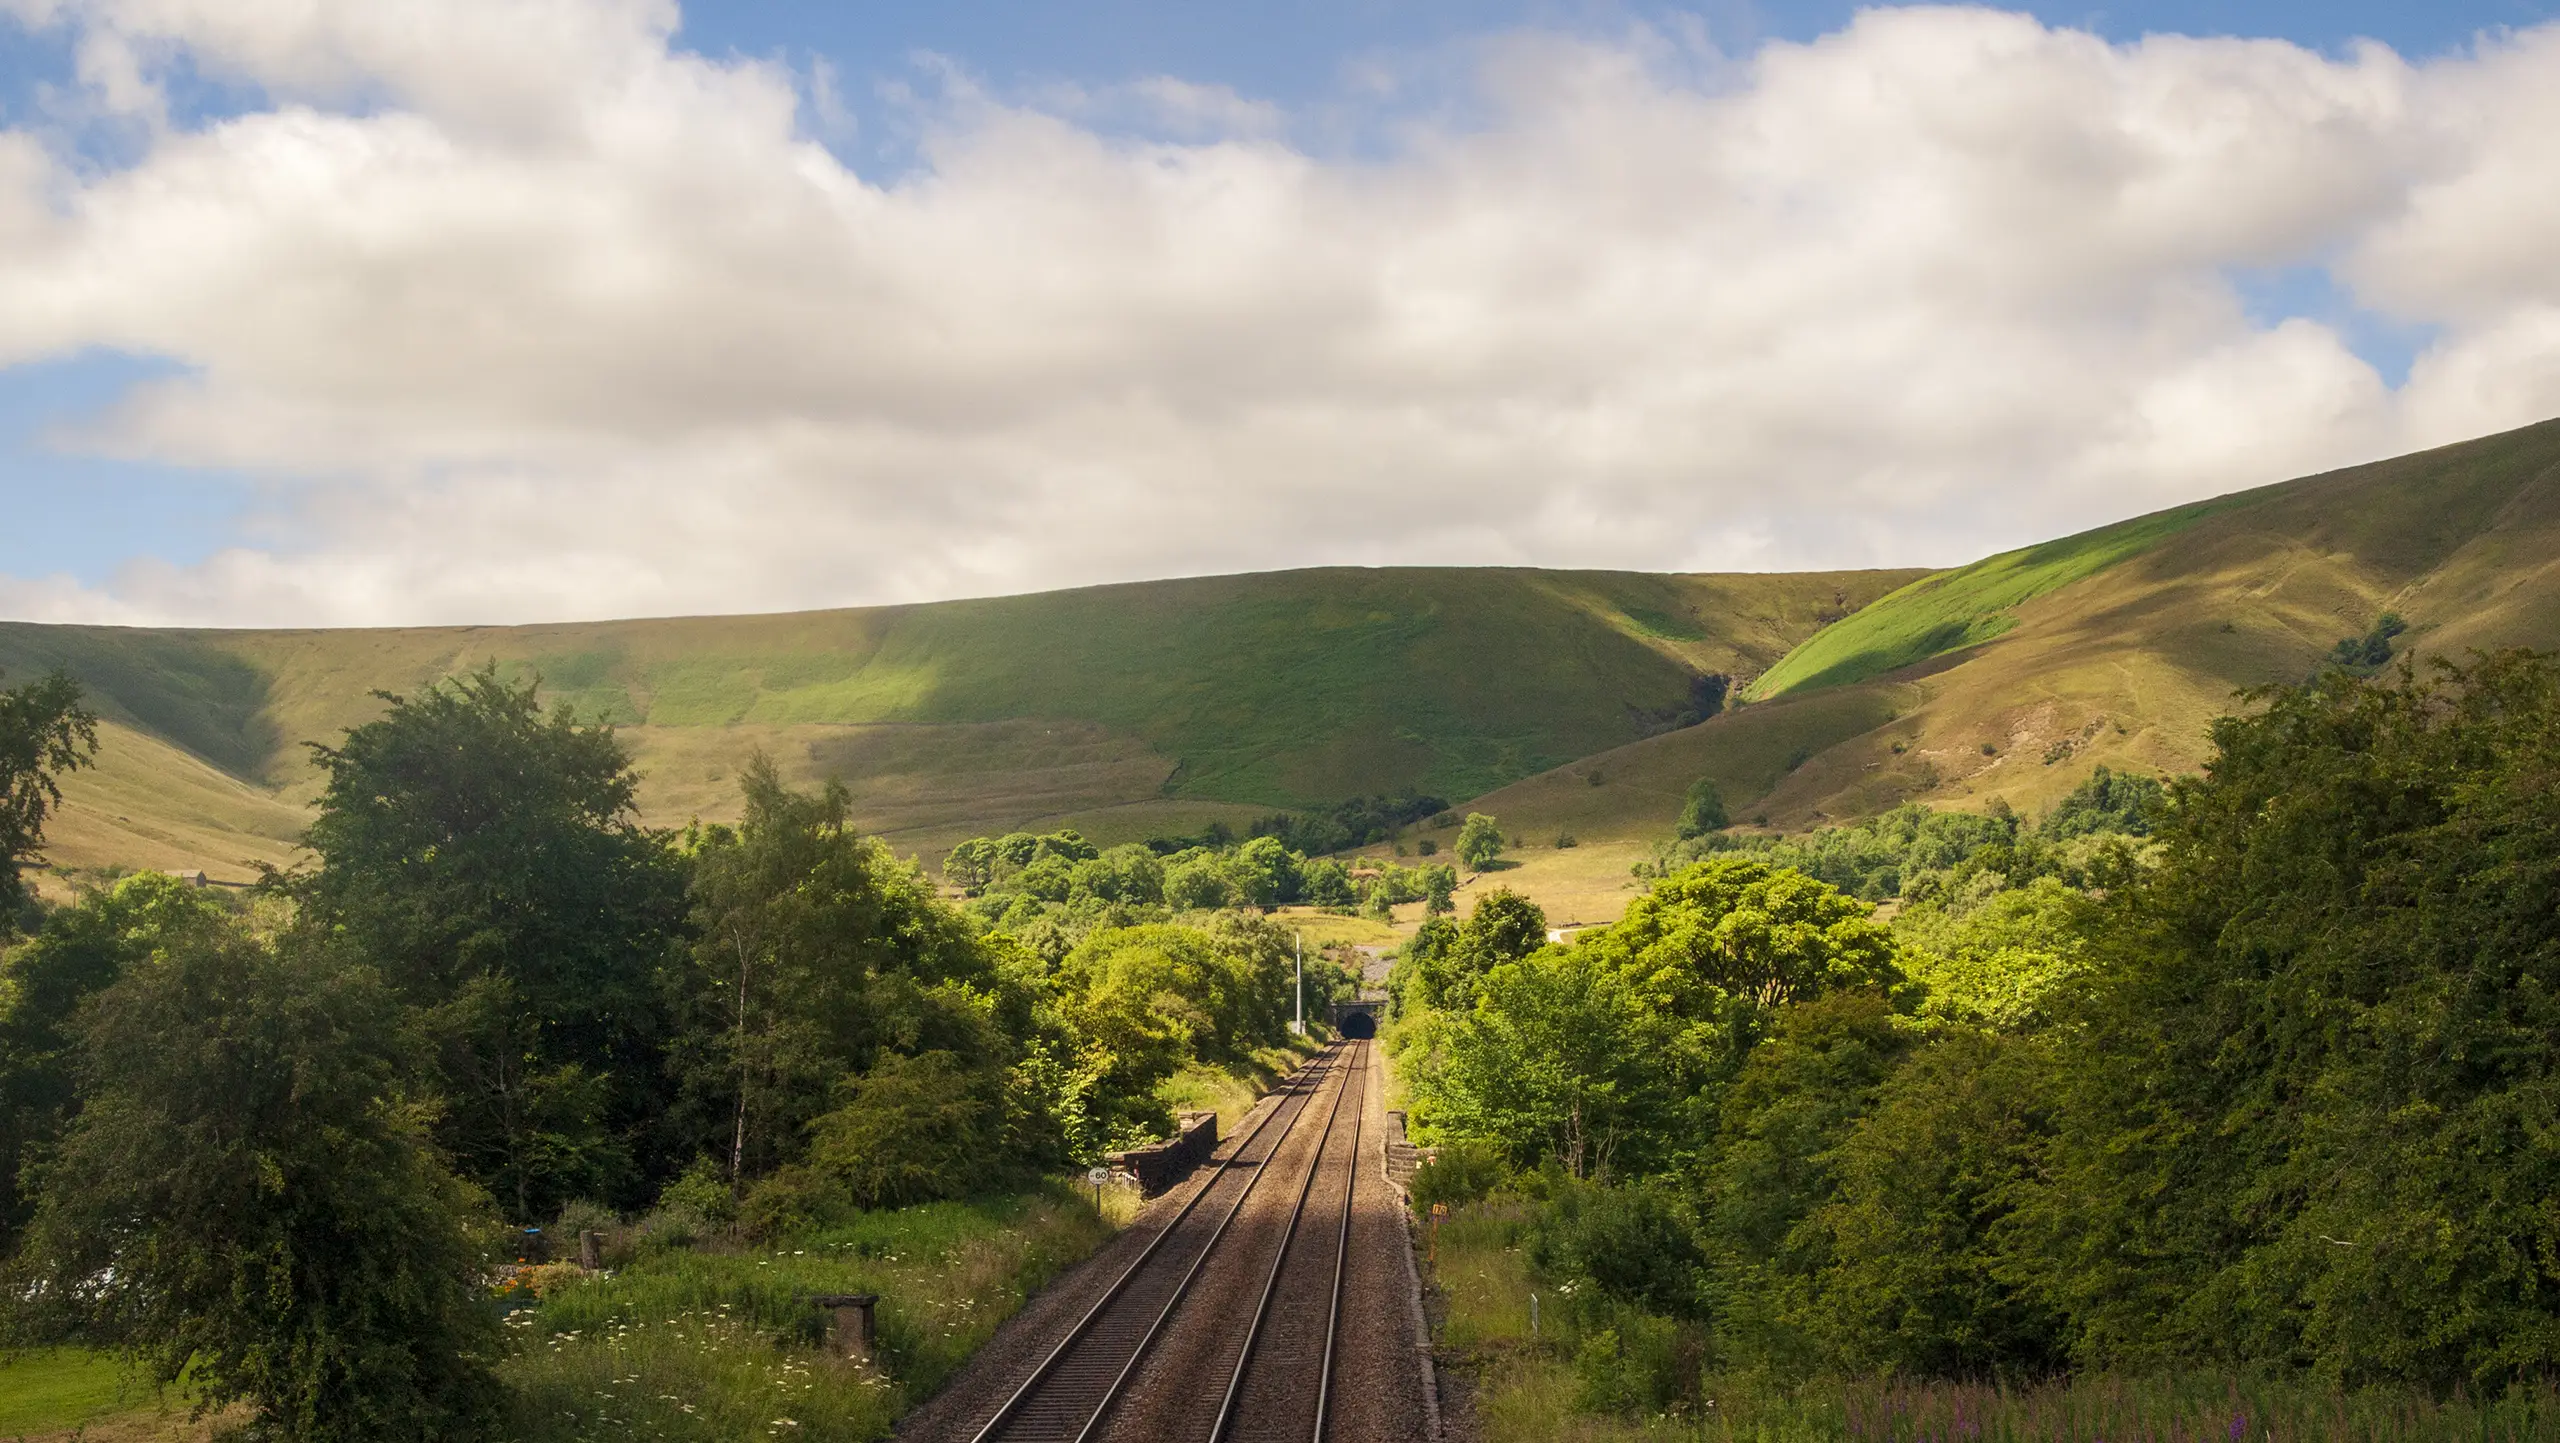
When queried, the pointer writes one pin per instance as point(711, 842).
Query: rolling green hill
point(1123, 709)
point(2014, 676)
point(1553, 699)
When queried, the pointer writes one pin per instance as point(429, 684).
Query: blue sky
point(1290, 50)
point(84, 515)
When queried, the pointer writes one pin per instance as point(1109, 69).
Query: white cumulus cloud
point(518, 311)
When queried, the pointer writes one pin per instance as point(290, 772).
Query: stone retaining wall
point(1159, 1165)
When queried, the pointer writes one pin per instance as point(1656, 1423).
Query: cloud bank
point(520, 311)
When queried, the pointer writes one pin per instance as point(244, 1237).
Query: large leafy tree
point(1773, 1161)
point(1223, 989)
point(1917, 1275)
point(486, 856)
point(44, 732)
point(814, 952)
point(1555, 1060)
point(1610, 1051)
point(1703, 810)
point(82, 950)
point(1439, 965)
point(2309, 1095)
point(1719, 948)
point(248, 1199)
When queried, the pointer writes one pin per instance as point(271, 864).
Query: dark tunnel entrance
point(1356, 1020)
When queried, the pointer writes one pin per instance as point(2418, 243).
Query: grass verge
point(1231, 1090)
point(1538, 1386)
point(70, 1393)
point(710, 1347)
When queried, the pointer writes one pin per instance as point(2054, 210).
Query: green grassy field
point(47, 1389)
point(64, 1393)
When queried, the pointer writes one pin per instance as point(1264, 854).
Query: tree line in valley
point(1051, 890)
point(271, 1141)
point(2253, 1070)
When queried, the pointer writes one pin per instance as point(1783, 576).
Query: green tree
point(1266, 872)
point(916, 1129)
point(2109, 801)
point(1430, 969)
point(1198, 880)
point(44, 733)
point(1326, 884)
point(2369, 653)
point(1439, 888)
point(82, 950)
point(1123, 1049)
point(2004, 960)
point(1724, 944)
point(248, 1200)
point(1504, 927)
point(1224, 989)
point(1918, 1278)
point(1703, 812)
point(2315, 1041)
point(1128, 874)
point(1439, 965)
point(1770, 1165)
point(1049, 878)
point(487, 859)
point(971, 865)
point(1557, 1059)
point(814, 951)
point(1479, 841)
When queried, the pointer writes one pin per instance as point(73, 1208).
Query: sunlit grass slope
point(1127, 710)
point(2153, 629)
point(1964, 607)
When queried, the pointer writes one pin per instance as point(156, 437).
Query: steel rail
point(1271, 1282)
point(1048, 1364)
point(1111, 1395)
point(1341, 1254)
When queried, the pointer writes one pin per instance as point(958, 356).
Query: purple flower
point(2239, 1426)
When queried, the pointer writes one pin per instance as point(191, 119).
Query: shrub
point(1458, 1173)
point(918, 1129)
point(1704, 811)
point(702, 1193)
point(1628, 1244)
point(583, 1216)
point(1638, 1364)
point(792, 1201)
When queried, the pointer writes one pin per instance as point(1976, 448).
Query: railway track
point(1247, 1276)
point(1299, 1315)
